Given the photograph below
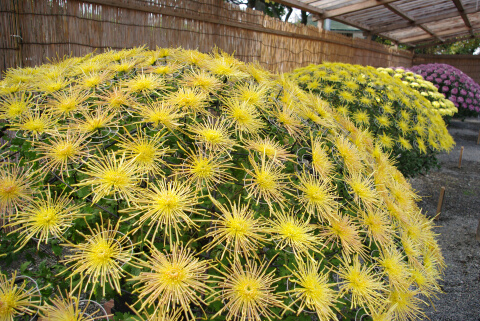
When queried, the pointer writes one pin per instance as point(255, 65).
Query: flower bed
point(202, 187)
point(458, 87)
point(402, 121)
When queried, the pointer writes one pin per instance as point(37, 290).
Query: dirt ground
point(457, 223)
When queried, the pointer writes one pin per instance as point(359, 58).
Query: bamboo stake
point(440, 203)
point(477, 236)
point(478, 139)
point(460, 159)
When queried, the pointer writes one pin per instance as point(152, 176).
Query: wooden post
point(478, 139)
point(460, 159)
point(477, 236)
point(440, 202)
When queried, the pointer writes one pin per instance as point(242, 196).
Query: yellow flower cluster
point(427, 89)
point(230, 192)
point(400, 117)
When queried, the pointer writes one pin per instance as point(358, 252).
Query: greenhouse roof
point(417, 23)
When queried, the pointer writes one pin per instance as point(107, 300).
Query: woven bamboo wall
point(33, 31)
point(469, 64)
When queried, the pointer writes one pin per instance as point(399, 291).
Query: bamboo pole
point(440, 203)
point(460, 158)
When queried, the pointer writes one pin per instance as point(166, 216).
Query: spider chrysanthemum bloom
point(214, 134)
point(111, 176)
point(144, 83)
point(161, 314)
point(363, 283)
point(34, 123)
point(94, 121)
point(190, 100)
point(66, 309)
point(316, 195)
point(99, 259)
point(146, 150)
point(115, 99)
point(386, 141)
point(62, 149)
point(15, 105)
point(244, 116)
point(394, 266)
point(247, 292)
point(172, 279)
point(291, 232)
point(312, 290)
point(205, 169)
point(405, 304)
point(237, 229)
point(266, 181)
point(16, 187)
point(68, 102)
point(251, 94)
point(45, 217)
point(321, 162)
point(363, 190)
point(378, 226)
point(344, 231)
point(159, 113)
point(349, 153)
point(287, 118)
point(270, 148)
point(361, 117)
point(202, 80)
point(16, 299)
point(166, 205)
point(94, 79)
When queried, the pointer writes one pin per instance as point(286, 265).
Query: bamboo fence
point(34, 31)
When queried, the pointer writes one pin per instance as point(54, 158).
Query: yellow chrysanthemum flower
point(108, 175)
point(166, 205)
point(248, 292)
point(16, 187)
point(244, 116)
point(236, 229)
point(266, 181)
point(172, 279)
point(191, 100)
point(214, 134)
point(15, 105)
point(271, 148)
point(345, 232)
point(159, 114)
point(44, 218)
point(17, 299)
point(100, 257)
point(313, 290)
point(291, 232)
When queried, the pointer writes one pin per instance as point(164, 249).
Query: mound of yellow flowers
point(204, 187)
point(402, 120)
point(427, 89)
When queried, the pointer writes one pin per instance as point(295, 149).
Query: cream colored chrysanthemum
point(173, 279)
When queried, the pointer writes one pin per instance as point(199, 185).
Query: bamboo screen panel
point(469, 64)
point(35, 30)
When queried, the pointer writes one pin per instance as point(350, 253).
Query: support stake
point(477, 236)
point(460, 159)
point(440, 202)
point(478, 139)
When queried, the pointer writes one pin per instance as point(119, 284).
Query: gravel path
point(457, 224)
